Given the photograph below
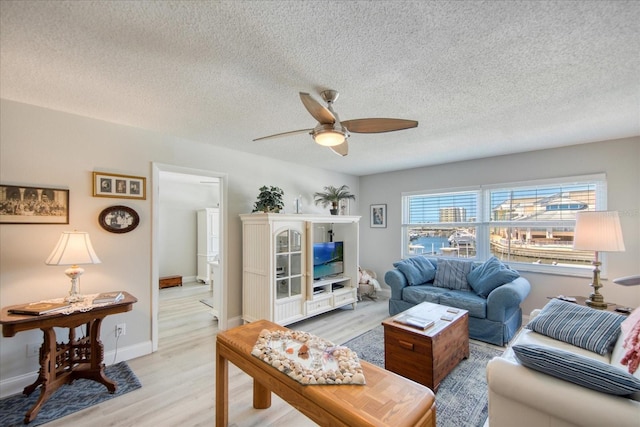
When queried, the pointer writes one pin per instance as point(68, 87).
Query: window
point(528, 224)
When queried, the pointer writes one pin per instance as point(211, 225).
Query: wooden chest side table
point(426, 356)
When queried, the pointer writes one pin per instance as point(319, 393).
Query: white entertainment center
point(277, 268)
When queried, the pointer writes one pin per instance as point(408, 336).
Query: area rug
point(461, 399)
point(67, 399)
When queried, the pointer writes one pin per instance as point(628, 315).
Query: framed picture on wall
point(20, 204)
point(119, 186)
point(379, 216)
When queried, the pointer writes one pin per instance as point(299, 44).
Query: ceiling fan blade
point(278, 135)
point(320, 113)
point(378, 125)
point(342, 149)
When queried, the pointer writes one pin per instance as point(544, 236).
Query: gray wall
point(620, 160)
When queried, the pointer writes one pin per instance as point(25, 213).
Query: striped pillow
point(452, 274)
point(577, 369)
point(593, 330)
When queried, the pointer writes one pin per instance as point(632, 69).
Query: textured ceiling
point(482, 78)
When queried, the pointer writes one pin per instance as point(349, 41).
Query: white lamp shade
point(598, 231)
point(328, 136)
point(73, 248)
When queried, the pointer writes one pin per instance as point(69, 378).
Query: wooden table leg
point(46, 375)
point(261, 396)
point(222, 389)
point(95, 371)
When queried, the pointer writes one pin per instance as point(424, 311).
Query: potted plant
point(332, 196)
point(269, 200)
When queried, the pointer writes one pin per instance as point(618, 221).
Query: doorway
point(196, 196)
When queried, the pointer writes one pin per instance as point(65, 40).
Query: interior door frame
point(157, 168)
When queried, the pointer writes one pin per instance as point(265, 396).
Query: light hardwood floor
point(178, 381)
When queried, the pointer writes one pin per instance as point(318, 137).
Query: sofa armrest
point(504, 299)
point(396, 281)
point(560, 399)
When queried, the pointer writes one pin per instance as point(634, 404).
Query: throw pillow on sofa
point(489, 275)
point(593, 330)
point(417, 270)
point(452, 274)
point(578, 369)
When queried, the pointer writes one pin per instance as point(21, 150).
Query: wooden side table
point(426, 356)
point(61, 363)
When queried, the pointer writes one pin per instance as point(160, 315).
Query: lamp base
point(594, 303)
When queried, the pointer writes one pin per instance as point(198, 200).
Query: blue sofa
point(492, 294)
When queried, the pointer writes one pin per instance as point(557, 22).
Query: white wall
point(41, 147)
point(178, 203)
point(620, 160)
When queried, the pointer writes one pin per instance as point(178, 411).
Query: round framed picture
point(119, 219)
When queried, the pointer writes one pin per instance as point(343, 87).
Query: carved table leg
point(95, 371)
point(46, 374)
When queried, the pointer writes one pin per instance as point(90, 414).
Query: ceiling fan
point(333, 133)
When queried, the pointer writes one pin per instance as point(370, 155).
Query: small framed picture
point(20, 204)
point(378, 216)
point(119, 219)
point(120, 186)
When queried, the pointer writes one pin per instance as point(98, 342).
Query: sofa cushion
point(418, 270)
point(474, 304)
point(594, 330)
point(424, 293)
point(489, 275)
point(452, 274)
point(580, 370)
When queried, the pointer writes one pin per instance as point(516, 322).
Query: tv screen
point(327, 259)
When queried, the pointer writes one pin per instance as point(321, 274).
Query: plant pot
point(333, 211)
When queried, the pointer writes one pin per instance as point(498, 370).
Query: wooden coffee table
point(426, 356)
point(386, 399)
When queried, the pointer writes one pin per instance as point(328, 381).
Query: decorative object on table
point(331, 132)
point(119, 186)
point(378, 216)
point(332, 196)
point(308, 359)
point(73, 248)
point(599, 232)
point(462, 396)
point(627, 281)
point(108, 298)
point(269, 200)
point(69, 398)
point(33, 205)
point(118, 219)
point(39, 308)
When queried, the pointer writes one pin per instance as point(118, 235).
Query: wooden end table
point(426, 356)
point(61, 363)
point(386, 399)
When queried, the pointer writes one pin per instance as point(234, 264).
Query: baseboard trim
point(15, 385)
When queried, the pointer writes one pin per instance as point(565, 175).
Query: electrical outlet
point(33, 350)
point(121, 329)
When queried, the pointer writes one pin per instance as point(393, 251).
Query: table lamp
point(599, 232)
point(73, 248)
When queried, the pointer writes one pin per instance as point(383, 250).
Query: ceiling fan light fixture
point(329, 135)
point(329, 138)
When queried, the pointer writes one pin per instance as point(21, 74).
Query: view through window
point(530, 223)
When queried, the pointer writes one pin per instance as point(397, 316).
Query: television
point(327, 259)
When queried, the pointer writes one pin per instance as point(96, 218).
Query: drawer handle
point(406, 345)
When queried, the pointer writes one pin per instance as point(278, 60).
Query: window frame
point(484, 223)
